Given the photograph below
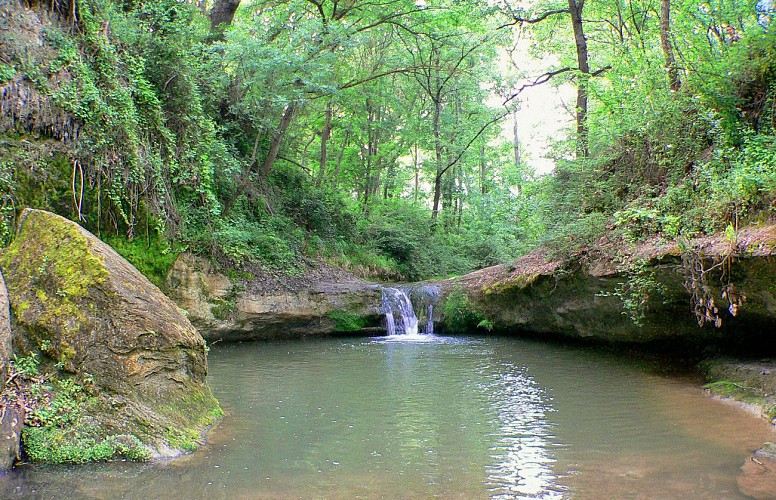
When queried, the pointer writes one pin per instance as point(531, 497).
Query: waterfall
point(397, 304)
point(406, 308)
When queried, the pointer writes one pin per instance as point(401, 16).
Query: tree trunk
point(274, 147)
point(483, 178)
point(575, 9)
point(665, 41)
point(345, 140)
point(222, 14)
point(439, 169)
point(416, 165)
point(325, 134)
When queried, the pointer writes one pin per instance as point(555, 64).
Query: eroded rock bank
point(255, 305)
point(667, 286)
point(106, 365)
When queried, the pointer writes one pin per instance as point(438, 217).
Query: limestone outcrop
point(121, 368)
point(585, 297)
point(252, 308)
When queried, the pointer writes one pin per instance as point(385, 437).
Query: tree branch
point(533, 20)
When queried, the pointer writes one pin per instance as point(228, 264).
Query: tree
point(222, 14)
point(665, 42)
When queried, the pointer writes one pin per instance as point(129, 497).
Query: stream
point(426, 415)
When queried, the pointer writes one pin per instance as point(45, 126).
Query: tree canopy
point(375, 134)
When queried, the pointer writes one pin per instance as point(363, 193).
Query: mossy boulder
point(125, 370)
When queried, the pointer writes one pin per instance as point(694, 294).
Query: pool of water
point(466, 417)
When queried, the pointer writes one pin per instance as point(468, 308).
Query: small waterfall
point(423, 298)
point(407, 308)
point(397, 304)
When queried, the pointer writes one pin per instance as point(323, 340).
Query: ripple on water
point(435, 416)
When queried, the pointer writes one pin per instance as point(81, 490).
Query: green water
point(452, 417)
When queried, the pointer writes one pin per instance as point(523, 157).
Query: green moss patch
point(348, 322)
point(79, 444)
point(50, 271)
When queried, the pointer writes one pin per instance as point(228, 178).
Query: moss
point(189, 408)
point(55, 279)
point(79, 444)
point(348, 322)
point(152, 256)
point(745, 394)
point(519, 281)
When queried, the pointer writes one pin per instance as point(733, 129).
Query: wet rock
point(118, 350)
point(11, 423)
point(758, 473)
point(261, 307)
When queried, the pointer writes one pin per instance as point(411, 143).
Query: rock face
point(5, 331)
point(120, 353)
point(248, 310)
point(585, 297)
point(11, 423)
point(11, 416)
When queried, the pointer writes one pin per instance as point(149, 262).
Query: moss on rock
point(98, 324)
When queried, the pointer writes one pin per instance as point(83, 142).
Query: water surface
point(438, 416)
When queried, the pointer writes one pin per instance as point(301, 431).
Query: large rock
point(265, 307)
point(121, 355)
point(584, 296)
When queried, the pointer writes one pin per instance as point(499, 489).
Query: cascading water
point(397, 303)
point(424, 297)
point(401, 318)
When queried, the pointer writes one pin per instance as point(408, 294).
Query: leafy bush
point(459, 316)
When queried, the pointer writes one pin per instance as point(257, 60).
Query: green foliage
point(347, 322)
point(152, 256)
point(459, 316)
point(26, 366)
point(640, 289)
point(79, 445)
point(6, 72)
point(57, 429)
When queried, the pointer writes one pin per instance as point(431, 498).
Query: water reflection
point(521, 455)
point(451, 418)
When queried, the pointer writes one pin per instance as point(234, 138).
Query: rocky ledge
point(653, 292)
point(254, 305)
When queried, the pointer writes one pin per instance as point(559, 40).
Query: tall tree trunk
point(222, 14)
point(345, 141)
point(575, 9)
point(325, 134)
point(483, 179)
point(438, 156)
point(665, 41)
point(274, 147)
point(416, 166)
